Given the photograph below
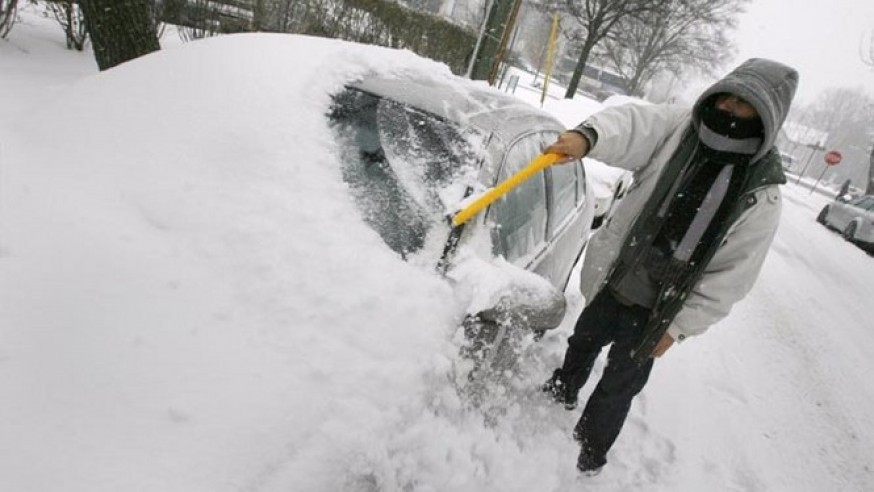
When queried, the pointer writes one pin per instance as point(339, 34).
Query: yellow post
point(539, 163)
point(550, 57)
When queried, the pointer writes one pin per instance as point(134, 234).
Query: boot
point(559, 391)
point(588, 466)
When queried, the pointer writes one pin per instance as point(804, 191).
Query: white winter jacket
point(642, 139)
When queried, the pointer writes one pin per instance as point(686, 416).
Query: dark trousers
point(602, 322)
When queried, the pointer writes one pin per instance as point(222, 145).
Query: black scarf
point(726, 138)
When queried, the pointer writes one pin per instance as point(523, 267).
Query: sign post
point(550, 57)
point(832, 158)
point(813, 150)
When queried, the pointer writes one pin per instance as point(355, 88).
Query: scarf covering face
point(727, 138)
point(767, 85)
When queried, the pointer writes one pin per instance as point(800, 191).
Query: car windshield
point(403, 166)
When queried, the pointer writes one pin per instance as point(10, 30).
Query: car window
point(399, 162)
point(519, 218)
point(564, 193)
point(581, 181)
point(859, 201)
point(427, 153)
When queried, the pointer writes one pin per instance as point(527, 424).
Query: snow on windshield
point(427, 154)
point(401, 164)
point(190, 300)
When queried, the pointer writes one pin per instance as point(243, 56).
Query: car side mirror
point(520, 306)
point(504, 303)
point(502, 293)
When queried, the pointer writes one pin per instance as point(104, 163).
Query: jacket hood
point(768, 85)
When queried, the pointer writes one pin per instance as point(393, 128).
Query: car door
point(843, 213)
point(566, 226)
point(866, 225)
point(519, 218)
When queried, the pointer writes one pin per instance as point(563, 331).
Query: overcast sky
point(820, 38)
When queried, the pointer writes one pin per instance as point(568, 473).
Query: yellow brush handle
point(539, 163)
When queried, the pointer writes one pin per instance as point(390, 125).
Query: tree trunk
point(120, 30)
point(7, 16)
point(501, 52)
point(869, 190)
point(578, 71)
point(259, 16)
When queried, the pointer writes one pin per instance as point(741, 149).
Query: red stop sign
point(833, 158)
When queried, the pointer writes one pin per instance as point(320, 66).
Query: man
point(686, 242)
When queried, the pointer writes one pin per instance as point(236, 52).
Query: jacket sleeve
point(629, 135)
point(733, 270)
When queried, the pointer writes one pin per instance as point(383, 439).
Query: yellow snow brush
point(539, 163)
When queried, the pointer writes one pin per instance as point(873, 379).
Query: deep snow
point(147, 343)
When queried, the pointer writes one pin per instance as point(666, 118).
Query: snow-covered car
point(609, 184)
point(413, 149)
point(202, 289)
point(854, 218)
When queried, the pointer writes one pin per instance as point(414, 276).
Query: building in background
point(801, 145)
point(596, 82)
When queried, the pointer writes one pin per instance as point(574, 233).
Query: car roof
point(463, 102)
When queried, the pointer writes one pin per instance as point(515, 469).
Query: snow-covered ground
point(286, 384)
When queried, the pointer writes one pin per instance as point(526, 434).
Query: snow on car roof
point(462, 101)
point(188, 291)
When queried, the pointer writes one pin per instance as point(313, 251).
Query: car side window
point(581, 181)
point(519, 217)
point(564, 193)
point(397, 160)
point(859, 202)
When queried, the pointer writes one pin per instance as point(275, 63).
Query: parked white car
point(218, 279)
point(609, 186)
point(853, 217)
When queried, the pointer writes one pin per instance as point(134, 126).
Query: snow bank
point(190, 299)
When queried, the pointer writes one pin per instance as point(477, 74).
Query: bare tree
point(69, 15)
point(469, 13)
point(869, 187)
point(680, 35)
point(120, 30)
point(201, 20)
point(866, 49)
point(595, 20)
point(381, 22)
point(8, 9)
point(867, 55)
point(491, 37)
point(847, 115)
point(536, 26)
